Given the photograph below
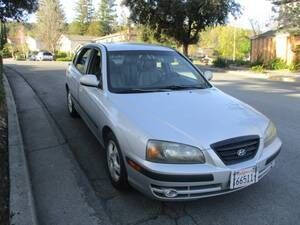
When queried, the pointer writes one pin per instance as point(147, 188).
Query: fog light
point(170, 193)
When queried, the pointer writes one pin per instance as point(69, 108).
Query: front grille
point(186, 192)
point(230, 150)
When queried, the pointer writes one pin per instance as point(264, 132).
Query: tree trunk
point(186, 49)
point(1, 65)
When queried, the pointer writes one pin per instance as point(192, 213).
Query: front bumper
point(196, 181)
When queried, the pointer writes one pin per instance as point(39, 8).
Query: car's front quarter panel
point(133, 140)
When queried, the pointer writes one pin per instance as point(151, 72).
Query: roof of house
point(270, 33)
point(32, 37)
point(132, 33)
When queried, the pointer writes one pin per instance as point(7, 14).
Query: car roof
point(134, 46)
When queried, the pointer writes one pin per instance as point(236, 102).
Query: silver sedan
point(167, 131)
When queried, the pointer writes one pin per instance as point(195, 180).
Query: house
point(33, 44)
point(71, 43)
point(275, 44)
point(18, 38)
point(118, 37)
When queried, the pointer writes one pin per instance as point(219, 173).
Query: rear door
point(77, 70)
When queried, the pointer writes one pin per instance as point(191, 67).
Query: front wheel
point(71, 108)
point(115, 163)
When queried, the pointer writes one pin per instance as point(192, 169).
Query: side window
point(182, 68)
point(95, 64)
point(82, 60)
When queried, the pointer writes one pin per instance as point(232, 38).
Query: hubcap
point(70, 103)
point(113, 161)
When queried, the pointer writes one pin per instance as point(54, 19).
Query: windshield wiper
point(182, 87)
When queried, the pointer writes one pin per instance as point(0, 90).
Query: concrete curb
point(247, 73)
point(266, 76)
point(21, 201)
point(68, 197)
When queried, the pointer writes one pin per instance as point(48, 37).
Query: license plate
point(243, 178)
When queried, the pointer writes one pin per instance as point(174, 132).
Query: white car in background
point(44, 56)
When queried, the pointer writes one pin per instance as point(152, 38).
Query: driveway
point(274, 200)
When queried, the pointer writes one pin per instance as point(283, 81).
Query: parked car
point(44, 56)
point(206, 60)
point(165, 128)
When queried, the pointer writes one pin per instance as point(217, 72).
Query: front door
point(91, 98)
point(78, 70)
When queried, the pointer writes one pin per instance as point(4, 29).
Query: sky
point(257, 10)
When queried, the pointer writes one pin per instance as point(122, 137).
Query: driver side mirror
point(208, 75)
point(90, 80)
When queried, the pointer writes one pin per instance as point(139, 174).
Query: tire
point(115, 164)
point(72, 111)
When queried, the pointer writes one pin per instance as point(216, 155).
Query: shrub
point(240, 62)
point(61, 55)
point(6, 52)
point(220, 62)
point(276, 64)
point(20, 57)
point(294, 67)
point(258, 69)
point(65, 59)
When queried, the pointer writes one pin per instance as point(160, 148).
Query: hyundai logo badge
point(241, 152)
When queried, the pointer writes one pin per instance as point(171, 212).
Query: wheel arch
point(105, 131)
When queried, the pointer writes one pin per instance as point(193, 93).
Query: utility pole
point(234, 45)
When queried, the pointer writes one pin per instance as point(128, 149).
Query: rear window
point(47, 54)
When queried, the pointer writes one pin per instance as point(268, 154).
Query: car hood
point(197, 117)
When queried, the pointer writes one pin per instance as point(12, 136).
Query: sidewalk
point(281, 75)
point(58, 184)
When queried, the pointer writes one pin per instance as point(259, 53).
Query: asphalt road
point(274, 200)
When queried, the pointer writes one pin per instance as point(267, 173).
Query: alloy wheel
point(113, 161)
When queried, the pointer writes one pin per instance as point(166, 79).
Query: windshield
point(151, 71)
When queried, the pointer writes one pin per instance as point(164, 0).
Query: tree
point(84, 17)
point(74, 28)
point(94, 29)
point(50, 23)
point(16, 9)
point(13, 9)
point(145, 34)
point(2, 43)
point(181, 20)
point(2, 34)
point(256, 26)
point(16, 32)
point(288, 12)
point(221, 39)
point(106, 16)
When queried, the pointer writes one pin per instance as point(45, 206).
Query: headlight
point(170, 152)
point(270, 134)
